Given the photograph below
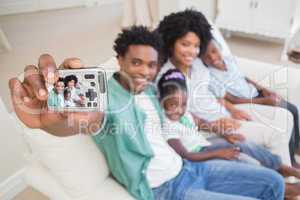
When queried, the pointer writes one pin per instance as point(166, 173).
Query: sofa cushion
point(74, 162)
point(111, 190)
point(39, 177)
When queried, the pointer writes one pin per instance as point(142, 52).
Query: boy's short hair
point(170, 82)
point(136, 35)
point(70, 78)
point(176, 25)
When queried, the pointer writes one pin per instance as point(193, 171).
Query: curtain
point(140, 12)
point(4, 44)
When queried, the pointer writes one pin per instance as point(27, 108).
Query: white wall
point(207, 7)
point(23, 6)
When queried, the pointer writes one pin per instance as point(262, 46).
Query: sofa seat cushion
point(74, 162)
point(38, 177)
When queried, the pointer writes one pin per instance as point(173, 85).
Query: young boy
point(228, 81)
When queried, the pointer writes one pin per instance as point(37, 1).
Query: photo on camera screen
point(77, 90)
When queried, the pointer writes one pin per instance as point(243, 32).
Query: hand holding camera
point(30, 101)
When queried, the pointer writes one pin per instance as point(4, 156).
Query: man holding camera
point(129, 133)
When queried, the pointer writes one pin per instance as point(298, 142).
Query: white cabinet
point(272, 18)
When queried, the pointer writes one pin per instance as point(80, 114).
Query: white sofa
point(73, 168)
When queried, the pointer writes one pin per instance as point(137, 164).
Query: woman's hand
point(240, 115)
point(224, 126)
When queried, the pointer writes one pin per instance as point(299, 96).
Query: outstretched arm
point(29, 99)
point(238, 100)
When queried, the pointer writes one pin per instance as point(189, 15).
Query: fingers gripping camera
point(78, 90)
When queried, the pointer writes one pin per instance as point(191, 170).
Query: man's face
point(60, 86)
point(139, 65)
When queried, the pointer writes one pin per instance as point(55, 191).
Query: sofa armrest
point(284, 80)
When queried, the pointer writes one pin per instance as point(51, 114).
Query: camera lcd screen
point(77, 90)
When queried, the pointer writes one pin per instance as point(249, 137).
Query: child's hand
point(273, 100)
point(240, 115)
point(234, 138)
point(228, 153)
point(266, 93)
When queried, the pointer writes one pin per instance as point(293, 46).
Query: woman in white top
point(182, 47)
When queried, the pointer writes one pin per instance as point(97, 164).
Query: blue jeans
point(222, 180)
point(265, 157)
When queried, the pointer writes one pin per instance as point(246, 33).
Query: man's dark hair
point(177, 25)
point(171, 82)
point(70, 78)
point(136, 35)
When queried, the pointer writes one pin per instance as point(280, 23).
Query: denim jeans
point(222, 180)
point(259, 153)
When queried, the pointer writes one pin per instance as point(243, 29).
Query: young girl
point(181, 131)
point(56, 95)
point(230, 82)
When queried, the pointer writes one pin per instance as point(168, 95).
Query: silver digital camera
point(79, 90)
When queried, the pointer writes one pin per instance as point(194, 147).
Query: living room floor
point(87, 33)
